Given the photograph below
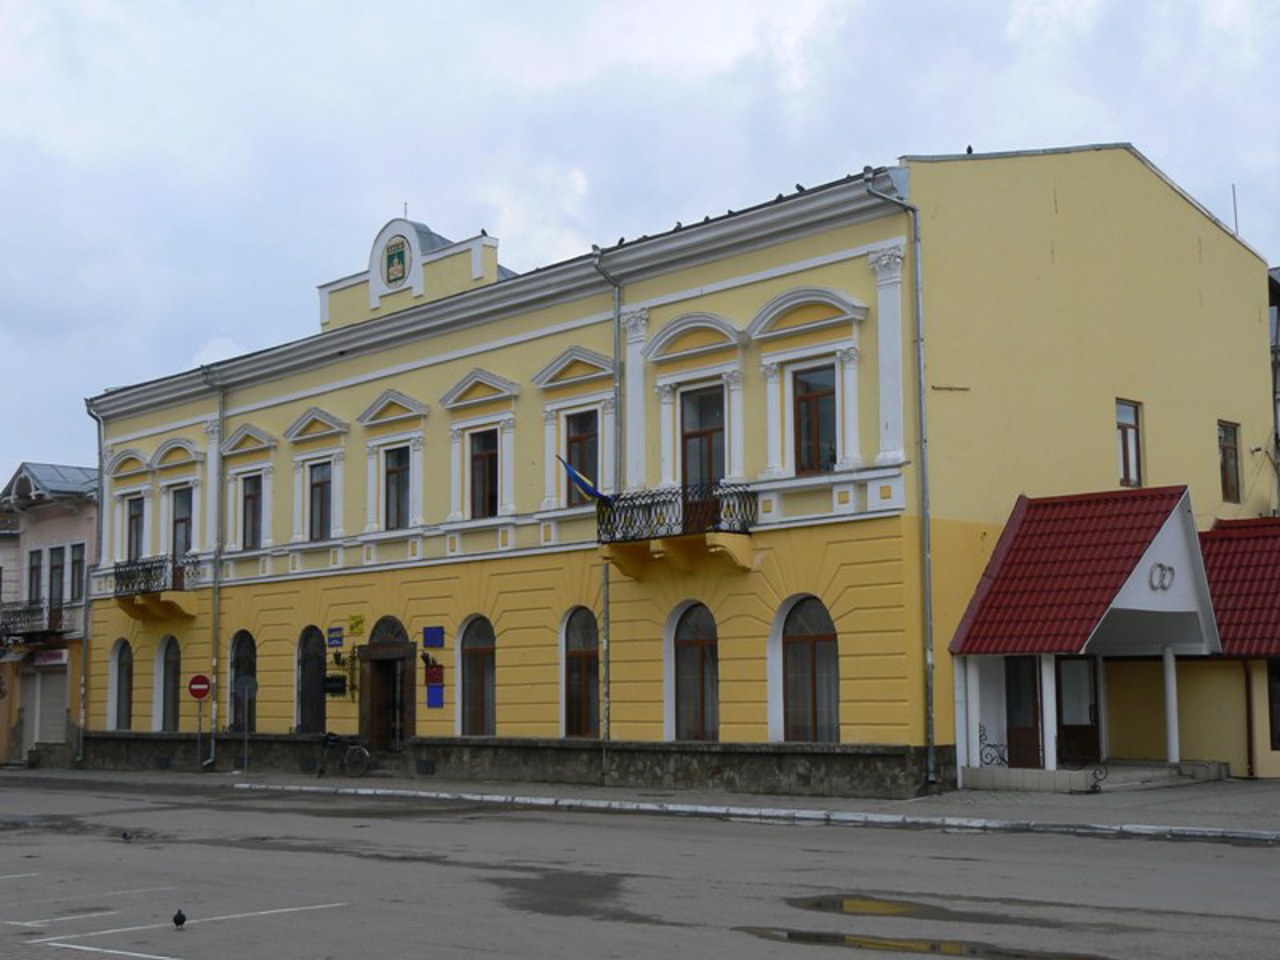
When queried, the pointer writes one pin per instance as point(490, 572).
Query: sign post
point(198, 686)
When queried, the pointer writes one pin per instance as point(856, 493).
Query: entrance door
point(386, 694)
point(1078, 740)
point(1022, 711)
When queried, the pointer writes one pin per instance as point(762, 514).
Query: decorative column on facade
point(213, 473)
point(455, 471)
point(120, 533)
point(888, 266)
point(148, 509)
point(235, 510)
point(608, 437)
point(299, 488)
point(773, 419)
point(737, 426)
point(197, 534)
point(371, 520)
point(337, 502)
point(268, 497)
point(166, 503)
point(507, 466)
point(550, 496)
point(851, 452)
point(667, 424)
point(415, 481)
point(635, 323)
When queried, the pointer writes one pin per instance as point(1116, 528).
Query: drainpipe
point(88, 598)
point(216, 563)
point(931, 752)
point(605, 700)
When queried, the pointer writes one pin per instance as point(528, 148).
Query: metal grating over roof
point(1242, 561)
point(1057, 569)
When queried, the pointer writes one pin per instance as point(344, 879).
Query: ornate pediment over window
point(128, 463)
point(248, 439)
point(392, 407)
point(314, 424)
point(477, 387)
point(576, 365)
point(175, 453)
point(804, 310)
point(693, 335)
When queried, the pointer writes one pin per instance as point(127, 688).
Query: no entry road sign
point(198, 686)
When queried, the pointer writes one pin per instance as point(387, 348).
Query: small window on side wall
point(1229, 460)
point(1128, 434)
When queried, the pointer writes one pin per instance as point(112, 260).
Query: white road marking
point(68, 916)
point(114, 953)
point(190, 922)
point(18, 876)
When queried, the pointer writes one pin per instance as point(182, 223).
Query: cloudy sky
point(176, 178)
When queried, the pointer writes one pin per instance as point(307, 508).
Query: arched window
point(311, 671)
point(478, 679)
point(244, 683)
point(810, 674)
point(697, 676)
point(388, 630)
point(121, 692)
point(170, 677)
point(581, 675)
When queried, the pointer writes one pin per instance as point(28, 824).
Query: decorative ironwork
point(17, 619)
point(675, 511)
point(155, 574)
point(991, 754)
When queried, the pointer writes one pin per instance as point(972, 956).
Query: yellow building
point(371, 530)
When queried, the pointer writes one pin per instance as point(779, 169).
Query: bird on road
point(179, 919)
point(125, 836)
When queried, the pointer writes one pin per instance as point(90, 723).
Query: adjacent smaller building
point(43, 614)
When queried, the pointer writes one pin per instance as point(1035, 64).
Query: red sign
point(198, 686)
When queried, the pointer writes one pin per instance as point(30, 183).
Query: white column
point(166, 501)
point(268, 491)
point(120, 534)
point(851, 443)
point(1049, 710)
point(148, 509)
point(415, 481)
point(773, 419)
point(455, 469)
point(337, 502)
point(608, 437)
point(636, 323)
point(213, 474)
point(299, 488)
point(235, 511)
point(372, 521)
point(888, 267)
point(737, 426)
point(197, 533)
point(667, 423)
point(973, 710)
point(1173, 752)
point(551, 466)
point(507, 466)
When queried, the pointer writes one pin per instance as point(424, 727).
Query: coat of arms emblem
point(393, 260)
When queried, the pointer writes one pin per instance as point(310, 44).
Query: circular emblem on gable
point(395, 261)
point(1160, 577)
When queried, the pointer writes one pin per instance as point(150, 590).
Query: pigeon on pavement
point(179, 919)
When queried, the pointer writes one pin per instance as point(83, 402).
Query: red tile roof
point(1242, 561)
point(1057, 569)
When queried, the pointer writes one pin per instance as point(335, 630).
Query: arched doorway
point(244, 683)
point(697, 675)
point(169, 680)
point(479, 679)
point(311, 671)
point(581, 675)
point(388, 679)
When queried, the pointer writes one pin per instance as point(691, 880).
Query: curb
point(796, 815)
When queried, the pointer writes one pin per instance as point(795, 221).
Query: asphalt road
point(310, 877)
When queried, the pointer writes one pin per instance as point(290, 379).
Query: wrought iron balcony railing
point(17, 619)
point(676, 511)
point(155, 574)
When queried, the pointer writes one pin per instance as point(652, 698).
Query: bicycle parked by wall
point(351, 755)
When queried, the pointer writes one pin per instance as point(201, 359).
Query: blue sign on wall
point(435, 695)
point(433, 636)
point(335, 636)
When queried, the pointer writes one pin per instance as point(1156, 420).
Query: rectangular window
point(134, 507)
point(702, 436)
point(396, 488)
point(180, 500)
point(1273, 701)
point(582, 451)
point(57, 575)
point(320, 517)
point(77, 572)
point(35, 588)
point(1128, 426)
point(814, 393)
point(484, 474)
point(1229, 460)
point(251, 512)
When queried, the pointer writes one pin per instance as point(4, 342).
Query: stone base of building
point(853, 770)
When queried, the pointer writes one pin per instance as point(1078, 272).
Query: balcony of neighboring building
point(679, 525)
point(153, 587)
point(28, 620)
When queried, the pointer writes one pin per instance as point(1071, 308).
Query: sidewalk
point(1237, 811)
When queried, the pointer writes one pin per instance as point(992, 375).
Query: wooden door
point(1022, 711)
point(1079, 741)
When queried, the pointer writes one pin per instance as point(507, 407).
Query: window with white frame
point(580, 432)
point(811, 406)
point(394, 487)
point(319, 500)
point(180, 505)
point(251, 511)
point(483, 457)
point(317, 497)
point(135, 527)
point(702, 426)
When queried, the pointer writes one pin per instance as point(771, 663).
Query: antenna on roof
point(1235, 210)
point(406, 209)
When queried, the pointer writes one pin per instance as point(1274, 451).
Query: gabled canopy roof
point(41, 482)
point(1063, 563)
point(1242, 560)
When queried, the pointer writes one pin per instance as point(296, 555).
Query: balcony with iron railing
point(35, 618)
point(682, 525)
point(144, 588)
